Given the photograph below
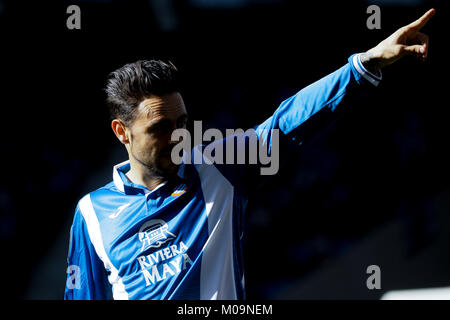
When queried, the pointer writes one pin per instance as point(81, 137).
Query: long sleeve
point(322, 96)
point(298, 120)
point(87, 278)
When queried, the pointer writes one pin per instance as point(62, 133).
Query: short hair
point(129, 85)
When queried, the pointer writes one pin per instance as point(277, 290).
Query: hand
point(405, 41)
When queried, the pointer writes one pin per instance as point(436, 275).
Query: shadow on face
point(155, 120)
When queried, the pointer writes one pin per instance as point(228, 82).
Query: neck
point(142, 175)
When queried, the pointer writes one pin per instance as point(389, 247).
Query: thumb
point(416, 49)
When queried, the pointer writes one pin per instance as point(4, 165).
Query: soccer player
point(165, 231)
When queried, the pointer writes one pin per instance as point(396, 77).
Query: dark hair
point(129, 85)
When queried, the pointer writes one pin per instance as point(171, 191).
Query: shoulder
point(98, 199)
point(106, 190)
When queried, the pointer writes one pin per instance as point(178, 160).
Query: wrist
point(372, 77)
point(370, 61)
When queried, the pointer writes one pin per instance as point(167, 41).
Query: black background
point(331, 208)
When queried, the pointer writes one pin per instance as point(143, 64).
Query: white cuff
point(369, 76)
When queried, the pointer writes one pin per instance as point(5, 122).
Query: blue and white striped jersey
point(182, 240)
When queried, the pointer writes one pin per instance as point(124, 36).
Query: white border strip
point(418, 294)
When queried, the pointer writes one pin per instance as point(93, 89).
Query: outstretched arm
point(305, 115)
point(407, 40)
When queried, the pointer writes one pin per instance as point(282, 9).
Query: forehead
point(155, 108)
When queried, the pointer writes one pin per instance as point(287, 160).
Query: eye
point(160, 128)
point(165, 127)
point(182, 123)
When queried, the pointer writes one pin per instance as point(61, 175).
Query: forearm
point(324, 94)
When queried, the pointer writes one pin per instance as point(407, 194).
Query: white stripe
point(365, 73)
point(442, 293)
point(93, 226)
point(217, 280)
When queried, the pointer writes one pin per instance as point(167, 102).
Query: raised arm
point(306, 114)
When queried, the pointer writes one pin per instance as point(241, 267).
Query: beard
point(160, 166)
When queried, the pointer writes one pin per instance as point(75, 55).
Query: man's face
point(155, 120)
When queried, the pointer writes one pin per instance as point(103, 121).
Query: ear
point(120, 130)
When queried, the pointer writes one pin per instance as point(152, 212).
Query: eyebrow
point(166, 120)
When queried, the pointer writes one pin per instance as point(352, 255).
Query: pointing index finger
point(419, 23)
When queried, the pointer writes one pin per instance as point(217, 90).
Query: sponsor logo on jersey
point(164, 263)
point(167, 261)
point(154, 233)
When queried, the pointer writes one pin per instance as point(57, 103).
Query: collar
point(126, 186)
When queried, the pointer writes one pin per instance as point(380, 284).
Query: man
point(166, 231)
